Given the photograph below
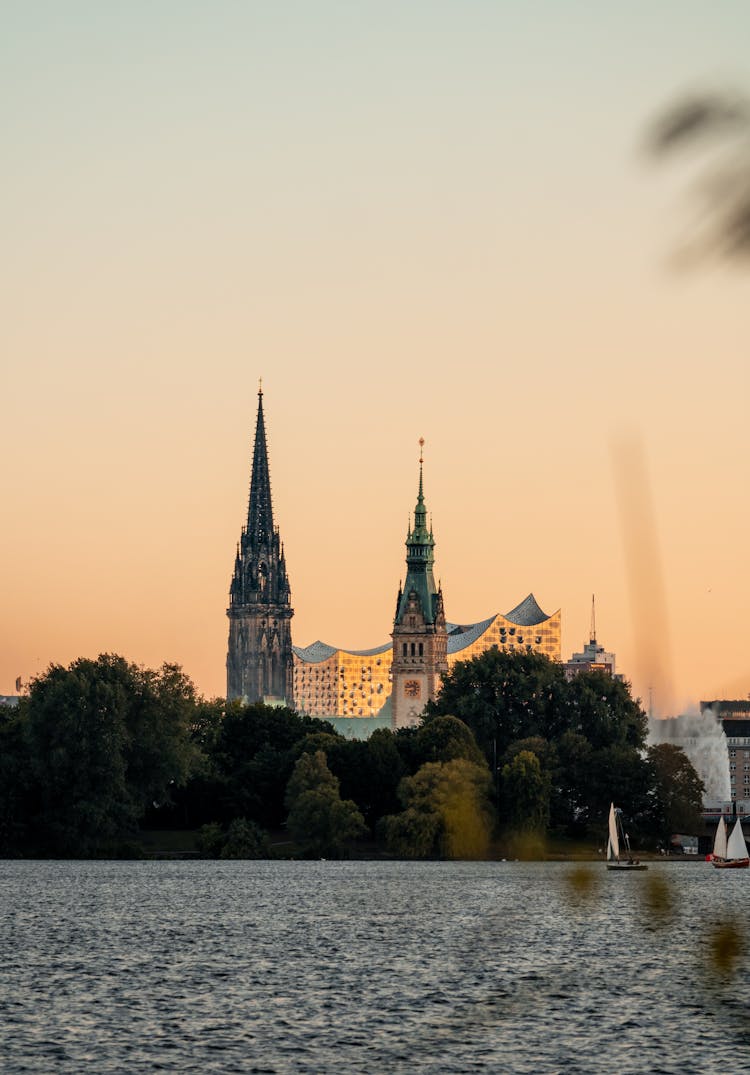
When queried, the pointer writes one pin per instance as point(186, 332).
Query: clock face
point(412, 688)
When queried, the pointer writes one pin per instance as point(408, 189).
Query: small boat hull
point(627, 867)
point(730, 864)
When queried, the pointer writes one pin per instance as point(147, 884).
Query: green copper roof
point(420, 556)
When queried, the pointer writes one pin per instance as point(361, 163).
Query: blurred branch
point(724, 195)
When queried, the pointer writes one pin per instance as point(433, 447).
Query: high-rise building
point(593, 657)
point(259, 654)
point(420, 637)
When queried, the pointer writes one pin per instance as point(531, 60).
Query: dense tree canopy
point(588, 735)
point(103, 747)
point(676, 791)
point(447, 812)
point(99, 741)
point(320, 821)
point(526, 793)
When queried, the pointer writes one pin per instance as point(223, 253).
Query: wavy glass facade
point(357, 683)
point(341, 683)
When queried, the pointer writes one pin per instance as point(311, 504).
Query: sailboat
point(616, 835)
point(730, 853)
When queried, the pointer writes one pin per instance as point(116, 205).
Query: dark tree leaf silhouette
point(722, 229)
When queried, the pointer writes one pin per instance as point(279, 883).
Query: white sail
point(736, 846)
point(614, 840)
point(610, 852)
point(720, 840)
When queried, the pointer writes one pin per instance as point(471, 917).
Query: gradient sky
point(428, 219)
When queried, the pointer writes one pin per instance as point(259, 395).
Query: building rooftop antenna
point(592, 635)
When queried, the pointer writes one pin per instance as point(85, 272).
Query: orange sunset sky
point(429, 219)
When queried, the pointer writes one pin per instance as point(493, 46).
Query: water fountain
point(702, 738)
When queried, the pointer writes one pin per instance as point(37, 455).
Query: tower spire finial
point(592, 636)
point(260, 386)
point(421, 461)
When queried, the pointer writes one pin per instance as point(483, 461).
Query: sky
point(433, 219)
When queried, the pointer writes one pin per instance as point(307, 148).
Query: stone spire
point(259, 655)
point(259, 508)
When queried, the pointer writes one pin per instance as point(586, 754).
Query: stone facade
point(259, 653)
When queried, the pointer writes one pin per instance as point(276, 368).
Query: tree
point(587, 734)
point(245, 840)
point(368, 771)
point(320, 821)
point(444, 738)
point(159, 751)
point(105, 738)
point(17, 804)
point(601, 708)
point(503, 697)
point(526, 793)
point(447, 812)
point(209, 840)
point(677, 792)
point(254, 755)
point(569, 801)
point(77, 733)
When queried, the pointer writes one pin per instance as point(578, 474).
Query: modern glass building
point(336, 682)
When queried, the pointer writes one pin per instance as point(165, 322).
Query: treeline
point(510, 750)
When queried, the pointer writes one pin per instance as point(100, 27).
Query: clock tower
point(420, 640)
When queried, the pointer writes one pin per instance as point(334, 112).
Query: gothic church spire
point(260, 508)
point(259, 654)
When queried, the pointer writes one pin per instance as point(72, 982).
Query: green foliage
point(378, 777)
point(413, 834)
point(503, 697)
point(604, 712)
point(526, 793)
point(320, 821)
point(17, 803)
point(105, 738)
point(368, 771)
point(677, 792)
point(445, 738)
point(311, 773)
point(209, 840)
point(587, 733)
point(245, 840)
point(253, 757)
point(447, 812)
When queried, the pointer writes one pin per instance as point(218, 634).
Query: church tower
point(420, 640)
point(259, 656)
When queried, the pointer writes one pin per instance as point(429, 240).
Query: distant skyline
point(427, 220)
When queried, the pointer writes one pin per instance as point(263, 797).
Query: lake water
point(315, 967)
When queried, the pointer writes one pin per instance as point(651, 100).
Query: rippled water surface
point(367, 967)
